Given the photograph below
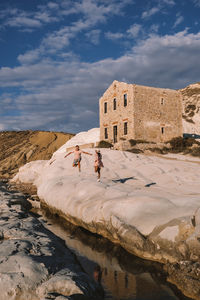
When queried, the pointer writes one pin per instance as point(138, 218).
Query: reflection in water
point(122, 275)
point(97, 274)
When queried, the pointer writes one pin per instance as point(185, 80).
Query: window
point(162, 101)
point(125, 100)
point(162, 130)
point(114, 104)
point(125, 128)
point(106, 133)
point(105, 107)
point(115, 134)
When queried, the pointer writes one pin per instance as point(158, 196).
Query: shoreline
point(153, 212)
point(35, 263)
point(183, 275)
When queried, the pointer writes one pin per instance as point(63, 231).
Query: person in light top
point(77, 156)
point(98, 164)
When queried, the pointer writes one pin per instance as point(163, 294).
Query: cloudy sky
point(58, 57)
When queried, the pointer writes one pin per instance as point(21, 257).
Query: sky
point(58, 57)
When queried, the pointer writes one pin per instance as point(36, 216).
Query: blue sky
point(58, 57)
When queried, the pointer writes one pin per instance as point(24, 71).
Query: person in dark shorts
point(77, 156)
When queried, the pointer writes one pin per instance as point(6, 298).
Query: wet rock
point(186, 276)
point(35, 264)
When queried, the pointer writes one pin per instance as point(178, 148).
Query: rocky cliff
point(191, 108)
point(19, 147)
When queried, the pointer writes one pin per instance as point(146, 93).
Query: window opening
point(125, 100)
point(114, 104)
point(125, 128)
point(105, 107)
point(106, 133)
point(115, 134)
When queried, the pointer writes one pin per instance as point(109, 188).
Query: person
point(98, 164)
point(77, 156)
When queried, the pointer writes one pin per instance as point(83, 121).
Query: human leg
point(75, 163)
point(99, 172)
point(79, 166)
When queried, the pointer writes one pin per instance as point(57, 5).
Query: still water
point(122, 275)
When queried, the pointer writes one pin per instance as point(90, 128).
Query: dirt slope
point(19, 147)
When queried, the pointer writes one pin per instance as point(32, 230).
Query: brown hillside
point(19, 147)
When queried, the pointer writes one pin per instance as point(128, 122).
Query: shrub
point(144, 142)
point(180, 143)
point(158, 150)
point(135, 142)
point(196, 152)
point(104, 144)
point(132, 142)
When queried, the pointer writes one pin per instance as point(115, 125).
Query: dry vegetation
point(20, 147)
point(176, 145)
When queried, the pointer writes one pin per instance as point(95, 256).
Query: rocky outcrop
point(191, 108)
point(149, 205)
point(34, 263)
point(19, 147)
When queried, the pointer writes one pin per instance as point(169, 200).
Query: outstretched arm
point(68, 154)
point(86, 153)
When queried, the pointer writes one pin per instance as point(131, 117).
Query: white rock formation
point(145, 203)
point(81, 138)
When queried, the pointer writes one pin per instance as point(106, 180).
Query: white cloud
point(29, 57)
point(91, 11)
point(64, 95)
point(154, 28)
point(196, 2)
point(53, 5)
point(27, 20)
point(114, 35)
point(161, 7)
point(148, 13)
point(179, 20)
point(168, 2)
point(134, 30)
point(23, 21)
point(94, 36)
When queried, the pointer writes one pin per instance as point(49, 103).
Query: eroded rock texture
point(34, 263)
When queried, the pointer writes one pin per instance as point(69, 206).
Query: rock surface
point(34, 263)
point(191, 108)
point(147, 204)
point(19, 147)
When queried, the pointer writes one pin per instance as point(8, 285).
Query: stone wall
point(120, 115)
point(157, 114)
point(152, 114)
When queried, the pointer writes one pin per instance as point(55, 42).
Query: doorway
point(115, 134)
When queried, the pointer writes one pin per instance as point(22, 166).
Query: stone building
point(130, 111)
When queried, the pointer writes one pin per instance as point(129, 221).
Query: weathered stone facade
point(130, 111)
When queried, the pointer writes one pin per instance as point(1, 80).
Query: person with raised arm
point(77, 156)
